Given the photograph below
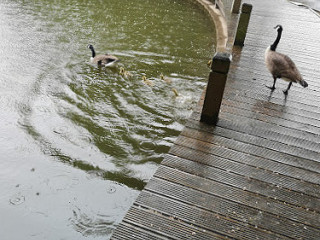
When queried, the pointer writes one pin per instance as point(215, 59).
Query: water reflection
point(93, 136)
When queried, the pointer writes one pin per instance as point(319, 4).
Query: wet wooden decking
point(256, 175)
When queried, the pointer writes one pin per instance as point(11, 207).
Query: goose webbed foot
point(271, 87)
point(274, 84)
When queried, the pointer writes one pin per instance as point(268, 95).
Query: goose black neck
point(275, 44)
point(93, 52)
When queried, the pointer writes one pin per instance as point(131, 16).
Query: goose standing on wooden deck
point(103, 59)
point(281, 66)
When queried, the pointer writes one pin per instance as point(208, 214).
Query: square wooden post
point(215, 88)
point(236, 6)
point(243, 24)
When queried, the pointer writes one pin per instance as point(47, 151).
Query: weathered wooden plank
point(303, 63)
point(258, 65)
point(313, 166)
point(260, 36)
point(260, 78)
point(253, 170)
point(268, 109)
point(167, 226)
point(257, 129)
point(243, 82)
point(300, 57)
point(255, 50)
point(264, 106)
point(266, 79)
point(251, 184)
point(127, 231)
point(242, 88)
point(266, 37)
point(289, 128)
point(269, 205)
point(203, 219)
point(256, 47)
point(287, 11)
point(271, 131)
point(298, 122)
point(265, 163)
point(300, 97)
point(161, 190)
point(274, 18)
point(256, 141)
point(258, 68)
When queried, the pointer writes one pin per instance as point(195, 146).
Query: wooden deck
point(256, 175)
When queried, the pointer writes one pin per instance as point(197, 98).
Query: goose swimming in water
point(103, 59)
point(281, 66)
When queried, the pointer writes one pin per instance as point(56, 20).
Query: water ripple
point(93, 225)
point(17, 199)
point(79, 123)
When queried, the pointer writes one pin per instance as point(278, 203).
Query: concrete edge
point(216, 12)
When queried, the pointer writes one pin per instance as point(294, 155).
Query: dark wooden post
point(243, 24)
point(215, 88)
point(236, 6)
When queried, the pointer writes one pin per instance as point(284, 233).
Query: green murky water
point(78, 142)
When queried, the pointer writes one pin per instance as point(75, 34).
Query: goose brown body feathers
point(281, 66)
point(106, 60)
